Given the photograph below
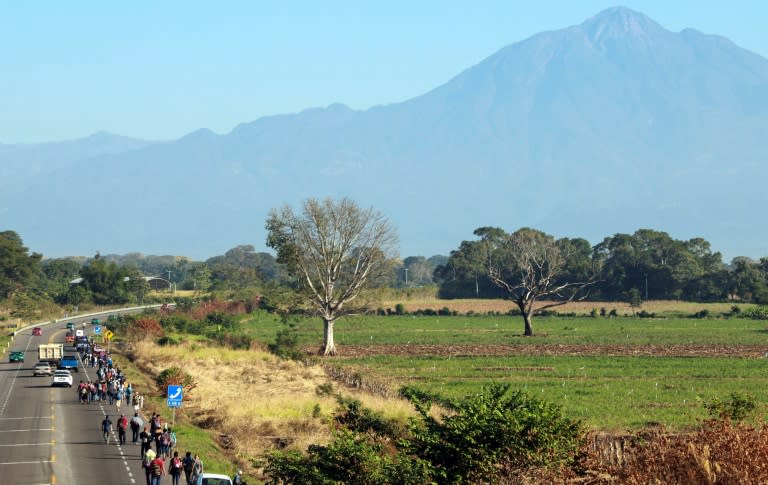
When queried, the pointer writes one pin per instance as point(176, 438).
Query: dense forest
point(646, 265)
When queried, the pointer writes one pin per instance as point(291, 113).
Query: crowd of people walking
point(111, 387)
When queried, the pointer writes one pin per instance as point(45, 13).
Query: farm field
point(614, 373)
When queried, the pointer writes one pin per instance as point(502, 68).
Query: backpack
point(188, 463)
point(176, 463)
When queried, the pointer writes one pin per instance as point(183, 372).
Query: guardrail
point(86, 315)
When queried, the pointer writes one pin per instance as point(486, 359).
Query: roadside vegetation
point(619, 383)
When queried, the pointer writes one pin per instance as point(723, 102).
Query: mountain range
point(607, 126)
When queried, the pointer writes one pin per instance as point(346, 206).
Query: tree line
point(645, 265)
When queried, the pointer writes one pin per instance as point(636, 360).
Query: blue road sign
point(174, 396)
point(97, 329)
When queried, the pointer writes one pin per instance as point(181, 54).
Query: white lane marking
point(47, 443)
point(24, 430)
point(38, 462)
point(13, 381)
point(29, 417)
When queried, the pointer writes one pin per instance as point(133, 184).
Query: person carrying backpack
point(188, 464)
point(122, 426)
point(136, 424)
point(157, 470)
point(146, 441)
point(174, 468)
point(146, 464)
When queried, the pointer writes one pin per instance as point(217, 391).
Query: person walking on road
point(146, 441)
point(174, 468)
point(106, 429)
point(136, 424)
point(157, 468)
point(197, 468)
point(146, 464)
point(188, 463)
point(122, 427)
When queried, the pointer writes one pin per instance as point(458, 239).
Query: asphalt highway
point(47, 437)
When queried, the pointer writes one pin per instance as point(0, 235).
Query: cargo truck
point(50, 352)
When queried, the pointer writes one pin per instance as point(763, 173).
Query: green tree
point(18, 268)
point(335, 249)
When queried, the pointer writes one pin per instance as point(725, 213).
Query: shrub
point(174, 376)
point(349, 458)
point(352, 415)
point(736, 408)
point(757, 313)
point(168, 341)
point(144, 328)
point(286, 343)
point(400, 309)
point(493, 429)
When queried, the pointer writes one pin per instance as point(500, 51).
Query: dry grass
point(581, 308)
point(257, 400)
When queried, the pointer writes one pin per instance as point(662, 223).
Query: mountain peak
point(620, 22)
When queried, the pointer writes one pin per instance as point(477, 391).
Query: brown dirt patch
point(745, 351)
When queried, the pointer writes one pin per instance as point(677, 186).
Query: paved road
point(47, 436)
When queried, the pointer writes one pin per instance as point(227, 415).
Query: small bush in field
point(145, 328)
point(736, 408)
point(174, 376)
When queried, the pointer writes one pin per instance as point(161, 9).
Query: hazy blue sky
point(160, 69)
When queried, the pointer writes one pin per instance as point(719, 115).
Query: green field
point(608, 392)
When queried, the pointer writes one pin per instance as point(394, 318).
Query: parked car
point(16, 356)
point(70, 325)
point(61, 378)
point(213, 479)
point(37, 331)
point(42, 368)
point(95, 321)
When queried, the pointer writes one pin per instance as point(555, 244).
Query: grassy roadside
point(190, 437)
point(244, 402)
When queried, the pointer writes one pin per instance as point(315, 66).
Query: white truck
point(50, 352)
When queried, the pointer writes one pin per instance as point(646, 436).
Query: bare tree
point(335, 249)
point(532, 266)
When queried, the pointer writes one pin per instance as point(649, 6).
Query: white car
point(42, 369)
point(213, 479)
point(61, 378)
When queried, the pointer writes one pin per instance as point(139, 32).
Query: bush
point(286, 345)
point(168, 341)
point(493, 429)
point(701, 314)
point(757, 313)
point(144, 328)
point(737, 408)
point(349, 458)
point(400, 309)
point(174, 376)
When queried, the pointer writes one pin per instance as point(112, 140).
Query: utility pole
point(406, 277)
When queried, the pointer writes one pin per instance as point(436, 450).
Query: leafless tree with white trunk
point(335, 249)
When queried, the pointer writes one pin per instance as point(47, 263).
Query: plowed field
point(746, 351)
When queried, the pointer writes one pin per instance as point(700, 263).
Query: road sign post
point(108, 334)
point(174, 401)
